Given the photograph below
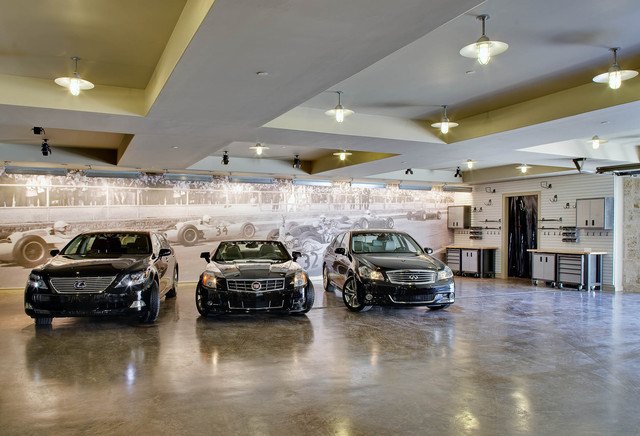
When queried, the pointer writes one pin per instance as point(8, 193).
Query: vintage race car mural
point(191, 232)
point(372, 221)
point(423, 215)
point(31, 247)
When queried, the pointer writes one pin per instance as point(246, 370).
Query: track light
point(596, 142)
point(484, 48)
point(615, 76)
point(523, 168)
point(342, 154)
point(297, 163)
point(458, 173)
point(74, 83)
point(408, 171)
point(444, 125)
point(46, 149)
point(38, 130)
point(259, 148)
point(339, 112)
point(225, 158)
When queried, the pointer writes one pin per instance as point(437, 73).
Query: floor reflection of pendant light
point(342, 154)
point(615, 76)
point(444, 125)
point(339, 112)
point(596, 142)
point(259, 148)
point(74, 83)
point(484, 48)
point(523, 168)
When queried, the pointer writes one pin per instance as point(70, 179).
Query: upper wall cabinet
point(459, 217)
point(594, 213)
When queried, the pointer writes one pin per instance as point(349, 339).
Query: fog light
point(138, 304)
point(368, 297)
point(209, 303)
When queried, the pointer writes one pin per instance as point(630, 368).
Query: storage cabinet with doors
point(543, 268)
point(470, 261)
point(453, 259)
point(479, 262)
point(594, 213)
point(459, 217)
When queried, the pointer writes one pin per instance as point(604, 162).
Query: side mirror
point(296, 255)
point(165, 252)
point(428, 250)
point(206, 256)
point(54, 252)
point(341, 250)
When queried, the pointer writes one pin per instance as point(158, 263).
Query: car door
point(342, 262)
point(330, 255)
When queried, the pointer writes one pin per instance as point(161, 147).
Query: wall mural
point(42, 212)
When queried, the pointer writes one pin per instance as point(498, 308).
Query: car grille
point(85, 285)
point(260, 285)
point(412, 277)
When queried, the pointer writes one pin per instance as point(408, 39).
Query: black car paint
point(342, 263)
point(40, 302)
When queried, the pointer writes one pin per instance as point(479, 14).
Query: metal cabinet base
point(584, 271)
point(478, 262)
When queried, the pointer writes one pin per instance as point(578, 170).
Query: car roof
point(96, 232)
point(365, 231)
point(247, 241)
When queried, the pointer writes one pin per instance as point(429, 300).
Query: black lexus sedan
point(387, 268)
point(251, 276)
point(104, 273)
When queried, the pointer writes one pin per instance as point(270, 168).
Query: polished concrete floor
point(508, 358)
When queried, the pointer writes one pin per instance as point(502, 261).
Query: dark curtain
point(523, 232)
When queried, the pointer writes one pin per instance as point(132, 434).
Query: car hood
point(254, 270)
point(73, 265)
point(393, 261)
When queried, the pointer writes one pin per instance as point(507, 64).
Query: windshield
point(382, 242)
point(108, 244)
point(251, 251)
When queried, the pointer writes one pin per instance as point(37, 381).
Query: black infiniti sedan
point(385, 267)
point(104, 273)
point(249, 276)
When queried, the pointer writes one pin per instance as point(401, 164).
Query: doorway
point(522, 233)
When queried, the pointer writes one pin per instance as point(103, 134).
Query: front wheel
point(30, 251)
point(390, 223)
point(188, 235)
point(440, 307)
point(201, 303)
point(150, 313)
point(310, 297)
point(351, 297)
point(326, 283)
point(248, 230)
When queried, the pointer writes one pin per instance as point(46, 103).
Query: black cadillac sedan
point(385, 267)
point(104, 273)
point(250, 276)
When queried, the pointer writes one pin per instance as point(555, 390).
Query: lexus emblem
point(413, 277)
point(79, 284)
point(256, 286)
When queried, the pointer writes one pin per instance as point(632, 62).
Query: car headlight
point(445, 274)
point(36, 281)
point(299, 279)
point(209, 279)
point(368, 273)
point(133, 279)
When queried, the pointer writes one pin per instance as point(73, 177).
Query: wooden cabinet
point(459, 217)
point(543, 267)
point(594, 213)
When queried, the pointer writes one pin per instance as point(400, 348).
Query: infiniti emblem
point(413, 277)
point(256, 286)
point(79, 284)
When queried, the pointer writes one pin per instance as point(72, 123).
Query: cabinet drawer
point(570, 260)
point(569, 278)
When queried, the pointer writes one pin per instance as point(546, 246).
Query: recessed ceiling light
point(175, 147)
point(262, 73)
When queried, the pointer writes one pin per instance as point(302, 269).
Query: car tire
point(150, 313)
point(273, 235)
point(364, 223)
point(43, 320)
point(248, 230)
point(310, 298)
point(173, 292)
point(409, 216)
point(351, 296)
point(188, 235)
point(30, 251)
point(424, 216)
point(439, 307)
point(326, 283)
point(390, 223)
point(439, 215)
point(200, 304)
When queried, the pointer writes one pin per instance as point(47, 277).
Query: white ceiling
point(183, 73)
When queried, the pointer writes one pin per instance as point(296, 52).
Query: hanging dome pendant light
point(444, 125)
point(615, 76)
point(484, 48)
point(339, 112)
point(74, 83)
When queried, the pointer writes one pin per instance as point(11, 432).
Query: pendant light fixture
point(596, 142)
point(339, 112)
point(523, 168)
point(74, 83)
point(342, 154)
point(444, 125)
point(615, 76)
point(259, 148)
point(470, 163)
point(484, 48)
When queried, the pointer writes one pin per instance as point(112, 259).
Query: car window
point(383, 242)
point(108, 244)
point(251, 251)
point(337, 241)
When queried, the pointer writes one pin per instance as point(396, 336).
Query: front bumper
point(221, 300)
point(389, 294)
